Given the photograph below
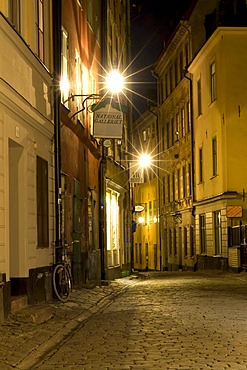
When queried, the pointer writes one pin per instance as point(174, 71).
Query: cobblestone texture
point(187, 321)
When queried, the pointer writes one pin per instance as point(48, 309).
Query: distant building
point(202, 194)
point(176, 140)
point(145, 193)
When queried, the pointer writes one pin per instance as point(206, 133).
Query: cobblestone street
point(166, 321)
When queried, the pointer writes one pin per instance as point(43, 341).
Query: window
point(175, 241)
point(184, 181)
point(214, 155)
point(146, 214)
point(178, 180)
point(112, 222)
point(42, 202)
point(40, 28)
point(168, 188)
point(213, 82)
point(64, 83)
point(200, 165)
point(192, 250)
point(217, 232)
point(173, 186)
point(79, 85)
point(14, 14)
point(185, 242)
point(155, 211)
point(181, 65)
point(172, 131)
point(170, 241)
point(150, 212)
point(177, 128)
point(144, 135)
point(183, 121)
point(189, 116)
point(202, 227)
point(189, 179)
point(148, 132)
point(199, 97)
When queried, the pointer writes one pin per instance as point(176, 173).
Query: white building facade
point(26, 153)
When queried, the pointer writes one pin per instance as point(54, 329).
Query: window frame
point(199, 97)
point(40, 29)
point(213, 81)
point(217, 233)
point(200, 165)
point(42, 202)
point(202, 230)
point(214, 156)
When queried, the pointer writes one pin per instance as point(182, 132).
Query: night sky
point(152, 22)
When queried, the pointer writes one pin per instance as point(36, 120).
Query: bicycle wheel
point(61, 282)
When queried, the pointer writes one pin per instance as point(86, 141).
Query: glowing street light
point(114, 82)
point(141, 220)
point(144, 160)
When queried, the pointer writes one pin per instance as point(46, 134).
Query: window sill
point(213, 177)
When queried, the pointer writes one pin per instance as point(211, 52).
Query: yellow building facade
point(145, 193)
point(219, 96)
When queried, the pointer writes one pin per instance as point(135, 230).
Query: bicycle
point(62, 276)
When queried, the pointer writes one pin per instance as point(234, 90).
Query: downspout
point(191, 143)
point(129, 126)
point(57, 25)
point(159, 191)
point(102, 187)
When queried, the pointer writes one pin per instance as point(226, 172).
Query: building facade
point(26, 146)
point(115, 225)
point(220, 130)
point(145, 193)
point(176, 148)
point(80, 152)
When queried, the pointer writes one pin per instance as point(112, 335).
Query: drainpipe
point(156, 76)
point(192, 142)
point(57, 24)
point(102, 187)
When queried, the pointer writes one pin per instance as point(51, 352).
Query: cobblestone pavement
point(167, 321)
point(186, 321)
point(31, 332)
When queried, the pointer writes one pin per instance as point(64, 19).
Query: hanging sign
point(136, 175)
point(108, 120)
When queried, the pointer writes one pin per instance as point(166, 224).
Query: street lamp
point(144, 160)
point(115, 82)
